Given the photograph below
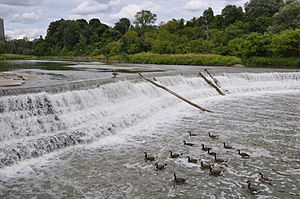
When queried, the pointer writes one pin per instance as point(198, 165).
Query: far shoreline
point(174, 59)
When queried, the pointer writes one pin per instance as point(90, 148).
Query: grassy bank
point(179, 59)
point(176, 59)
point(14, 57)
point(272, 62)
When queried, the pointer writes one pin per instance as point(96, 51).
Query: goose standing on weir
point(114, 74)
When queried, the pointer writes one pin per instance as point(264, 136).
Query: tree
point(122, 25)
point(287, 43)
point(208, 16)
point(258, 8)
point(231, 14)
point(253, 44)
point(288, 17)
point(144, 19)
point(261, 9)
point(2, 47)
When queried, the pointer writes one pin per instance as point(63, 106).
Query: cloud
point(37, 14)
point(89, 7)
point(93, 6)
point(21, 2)
point(196, 5)
point(26, 18)
point(30, 33)
point(128, 11)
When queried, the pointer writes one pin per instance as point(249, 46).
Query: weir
point(37, 121)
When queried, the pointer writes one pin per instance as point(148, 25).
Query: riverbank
point(176, 59)
point(272, 62)
point(15, 57)
point(179, 59)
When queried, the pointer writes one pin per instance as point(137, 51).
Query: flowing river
point(90, 143)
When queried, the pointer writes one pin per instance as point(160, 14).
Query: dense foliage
point(262, 28)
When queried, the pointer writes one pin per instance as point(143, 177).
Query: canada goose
point(192, 134)
point(148, 158)
point(154, 79)
point(212, 136)
point(264, 179)
point(215, 172)
point(114, 74)
point(227, 147)
point(191, 160)
point(179, 180)
point(160, 166)
point(205, 166)
point(218, 160)
point(205, 148)
point(251, 189)
point(244, 155)
point(211, 153)
point(174, 155)
point(188, 144)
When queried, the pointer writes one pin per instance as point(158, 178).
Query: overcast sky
point(30, 18)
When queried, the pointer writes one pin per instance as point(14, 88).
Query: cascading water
point(36, 124)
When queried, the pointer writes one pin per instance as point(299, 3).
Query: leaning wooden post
point(214, 79)
point(211, 84)
point(173, 93)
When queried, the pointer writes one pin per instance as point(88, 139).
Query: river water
point(90, 143)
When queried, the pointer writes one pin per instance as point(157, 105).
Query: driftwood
point(173, 93)
point(211, 84)
point(214, 79)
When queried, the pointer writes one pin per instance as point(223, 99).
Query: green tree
point(113, 48)
point(287, 43)
point(3, 47)
point(39, 47)
point(199, 46)
point(288, 17)
point(257, 11)
point(122, 25)
point(253, 44)
point(208, 16)
point(144, 19)
point(231, 14)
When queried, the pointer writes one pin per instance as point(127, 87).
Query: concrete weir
point(81, 84)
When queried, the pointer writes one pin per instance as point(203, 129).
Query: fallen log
point(214, 79)
point(173, 93)
point(211, 84)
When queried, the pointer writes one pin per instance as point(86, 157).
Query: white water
point(38, 125)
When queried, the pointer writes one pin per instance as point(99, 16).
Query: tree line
point(260, 28)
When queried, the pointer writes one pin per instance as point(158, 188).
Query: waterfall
point(41, 122)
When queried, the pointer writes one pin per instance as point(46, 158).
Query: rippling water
point(112, 126)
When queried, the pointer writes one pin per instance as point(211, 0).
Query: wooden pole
point(173, 93)
point(211, 84)
point(214, 79)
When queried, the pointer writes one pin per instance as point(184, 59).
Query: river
point(90, 143)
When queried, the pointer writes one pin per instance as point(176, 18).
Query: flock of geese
point(212, 171)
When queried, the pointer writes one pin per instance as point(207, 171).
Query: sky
point(31, 18)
